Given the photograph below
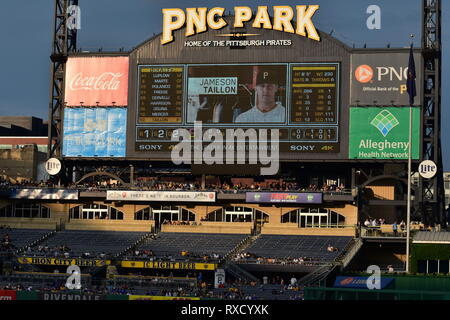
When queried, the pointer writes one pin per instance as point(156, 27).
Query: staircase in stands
point(233, 268)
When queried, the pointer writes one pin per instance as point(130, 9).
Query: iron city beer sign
point(197, 20)
point(63, 262)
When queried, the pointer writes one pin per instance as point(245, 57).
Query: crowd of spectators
point(184, 255)
point(159, 184)
point(61, 251)
point(6, 243)
point(232, 290)
point(374, 222)
point(181, 223)
point(248, 257)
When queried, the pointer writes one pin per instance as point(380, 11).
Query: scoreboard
point(314, 95)
point(305, 103)
point(161, 95)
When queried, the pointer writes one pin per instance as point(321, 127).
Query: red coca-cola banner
point(7, 295)
point(97, 81)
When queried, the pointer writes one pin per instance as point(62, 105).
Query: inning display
point(299, 99)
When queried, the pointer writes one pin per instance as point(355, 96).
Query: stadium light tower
point(64, 42)
point(431, 192)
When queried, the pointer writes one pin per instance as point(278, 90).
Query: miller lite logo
point(53, 166)
point(427, 169)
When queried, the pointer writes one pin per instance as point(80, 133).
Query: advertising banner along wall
point(161, 196)
point(136, 297)
point(283, 197)
point(94, 132)
point(7, 295)
point(383, 133)
point(359, 282)
point(71, 296)
point(97, 81)
point(168, 265)
point(45, 194)
point(63, 262)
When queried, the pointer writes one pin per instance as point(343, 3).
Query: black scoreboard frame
point(288, 125)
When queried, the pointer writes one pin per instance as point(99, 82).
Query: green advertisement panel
point(383, 133)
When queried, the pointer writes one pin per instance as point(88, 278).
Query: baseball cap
point(267, 75)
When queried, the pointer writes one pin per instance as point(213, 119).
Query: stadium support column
point(131, 175)
point(64, 42)
point(203, 181)
point(431, 191)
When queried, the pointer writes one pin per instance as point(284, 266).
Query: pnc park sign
point(197, 20)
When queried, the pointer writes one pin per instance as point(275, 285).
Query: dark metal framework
point(64, 42)
point(431, 191)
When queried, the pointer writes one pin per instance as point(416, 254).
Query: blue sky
point(26, 34)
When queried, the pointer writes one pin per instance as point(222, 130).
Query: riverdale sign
point(283, 197)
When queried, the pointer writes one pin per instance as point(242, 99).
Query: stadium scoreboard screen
point(304, 98)
point(161, 95)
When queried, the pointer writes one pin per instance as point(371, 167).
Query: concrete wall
point(60, 217)
point(212, 227)
point(293, 229)
point(383, 192)
point(19, 163)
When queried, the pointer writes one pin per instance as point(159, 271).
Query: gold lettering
point(242, 14)
point(197, 18)
point(211, 21)
point(304, 22)
point(262, 17)
point(170, 25)
point(282, 18)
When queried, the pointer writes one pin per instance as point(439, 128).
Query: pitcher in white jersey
point(266, 108)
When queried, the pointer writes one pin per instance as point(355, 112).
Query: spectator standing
point(395, 228)
point(402, 225)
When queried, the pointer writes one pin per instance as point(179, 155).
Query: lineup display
point(299, 99)
point(160, 95)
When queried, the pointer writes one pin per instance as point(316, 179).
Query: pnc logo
point(364, 73)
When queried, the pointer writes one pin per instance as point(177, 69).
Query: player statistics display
point(300, 99)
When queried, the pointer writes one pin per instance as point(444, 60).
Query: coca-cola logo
point(106, 81)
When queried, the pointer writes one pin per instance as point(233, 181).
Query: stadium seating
point(282, 247)
point(41, 280)
point(262, 292)
point(197, 244)
point(95, 242)
point(21, 238)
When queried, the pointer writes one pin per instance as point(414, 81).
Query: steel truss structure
point(431, 202)
point(64, 42)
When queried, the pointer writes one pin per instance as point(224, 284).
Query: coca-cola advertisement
point(97, 81)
